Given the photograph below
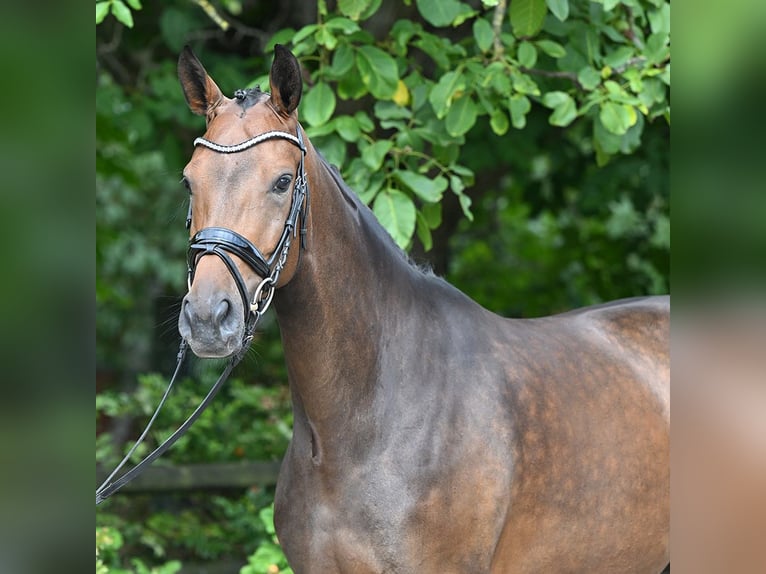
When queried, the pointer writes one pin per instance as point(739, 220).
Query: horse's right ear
point(285, 81)
point(201, 92)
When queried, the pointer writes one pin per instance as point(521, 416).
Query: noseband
point(224, 242)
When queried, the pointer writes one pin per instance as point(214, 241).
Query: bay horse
point(430, 435)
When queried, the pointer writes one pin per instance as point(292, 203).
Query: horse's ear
point(285, 81)
point(200, 91)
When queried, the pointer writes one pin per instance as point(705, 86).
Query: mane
point(247, 97)
point(350, 196)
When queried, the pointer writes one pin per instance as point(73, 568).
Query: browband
point(253, 141)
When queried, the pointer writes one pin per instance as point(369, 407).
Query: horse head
point(248, 196)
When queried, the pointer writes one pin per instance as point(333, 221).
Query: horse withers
point(430, 435)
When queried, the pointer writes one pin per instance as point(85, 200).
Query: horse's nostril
point(221, 312)
point(187, 312)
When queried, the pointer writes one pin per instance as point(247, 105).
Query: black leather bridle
point(223, 243)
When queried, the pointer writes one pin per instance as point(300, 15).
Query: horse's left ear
point(285, 81)
point(201, 92)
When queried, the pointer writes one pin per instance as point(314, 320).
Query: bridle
point(223, 243)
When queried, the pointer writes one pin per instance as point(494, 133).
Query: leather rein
point(223, 243)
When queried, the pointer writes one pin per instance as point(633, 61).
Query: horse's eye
point(283, 184)
point(187, 185)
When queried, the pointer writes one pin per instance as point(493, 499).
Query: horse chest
point(377, 518)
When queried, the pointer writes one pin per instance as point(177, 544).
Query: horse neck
point(334, 310)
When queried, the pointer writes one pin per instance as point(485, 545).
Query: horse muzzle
point(212, 321)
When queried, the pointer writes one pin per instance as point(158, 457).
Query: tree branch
point(630, 33)
point(553, 74)
point(497, 25)
point(212, 13)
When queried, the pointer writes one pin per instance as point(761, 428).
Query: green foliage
point(587, 62)
point(119, 9)
point(268, 558)
point(108, 543)
point(246, 421)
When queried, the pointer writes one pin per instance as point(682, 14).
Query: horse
point(430, 434)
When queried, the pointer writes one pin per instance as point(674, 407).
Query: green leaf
point(553, 49)
point(442, 93)
point(523, 84)
point(135, 4)
point(466, 13)
point(657, 48)
point(378, 71)
point(401, 33)
point(559, 8)
point(465, 204)
point(519, 106)
point(267, 519)
point(366, 184)
point(482, 32)
point(102, 9)
point(437, 48)
point(564, 108)
point(464, 172)
point(631, 141)
point(609, 5)
point(318, 105)
point(424, 232)
point(325, 37)
point(432, 213)
point(617, 118)
point(396, 212)
point(527, 17)
point(374, 154)
point(387, 110)
point(439, 12)
point(371, 9)
point(364, 121)
point(122, 13)
point(555, 99)
point(343, 25)
point(659, 20)
point(321, 129)
point(342, 61)
point(564, 114)
point(496, 75)
point(348, 128)
point(304, 33)
point(498, 121)
point(589, 78)
point(606, 141)
point(353, 8)
point(461, 116)
point(428, 189)
point(618, 57)
point(527, 55)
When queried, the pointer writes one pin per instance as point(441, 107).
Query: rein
point(222, 242)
